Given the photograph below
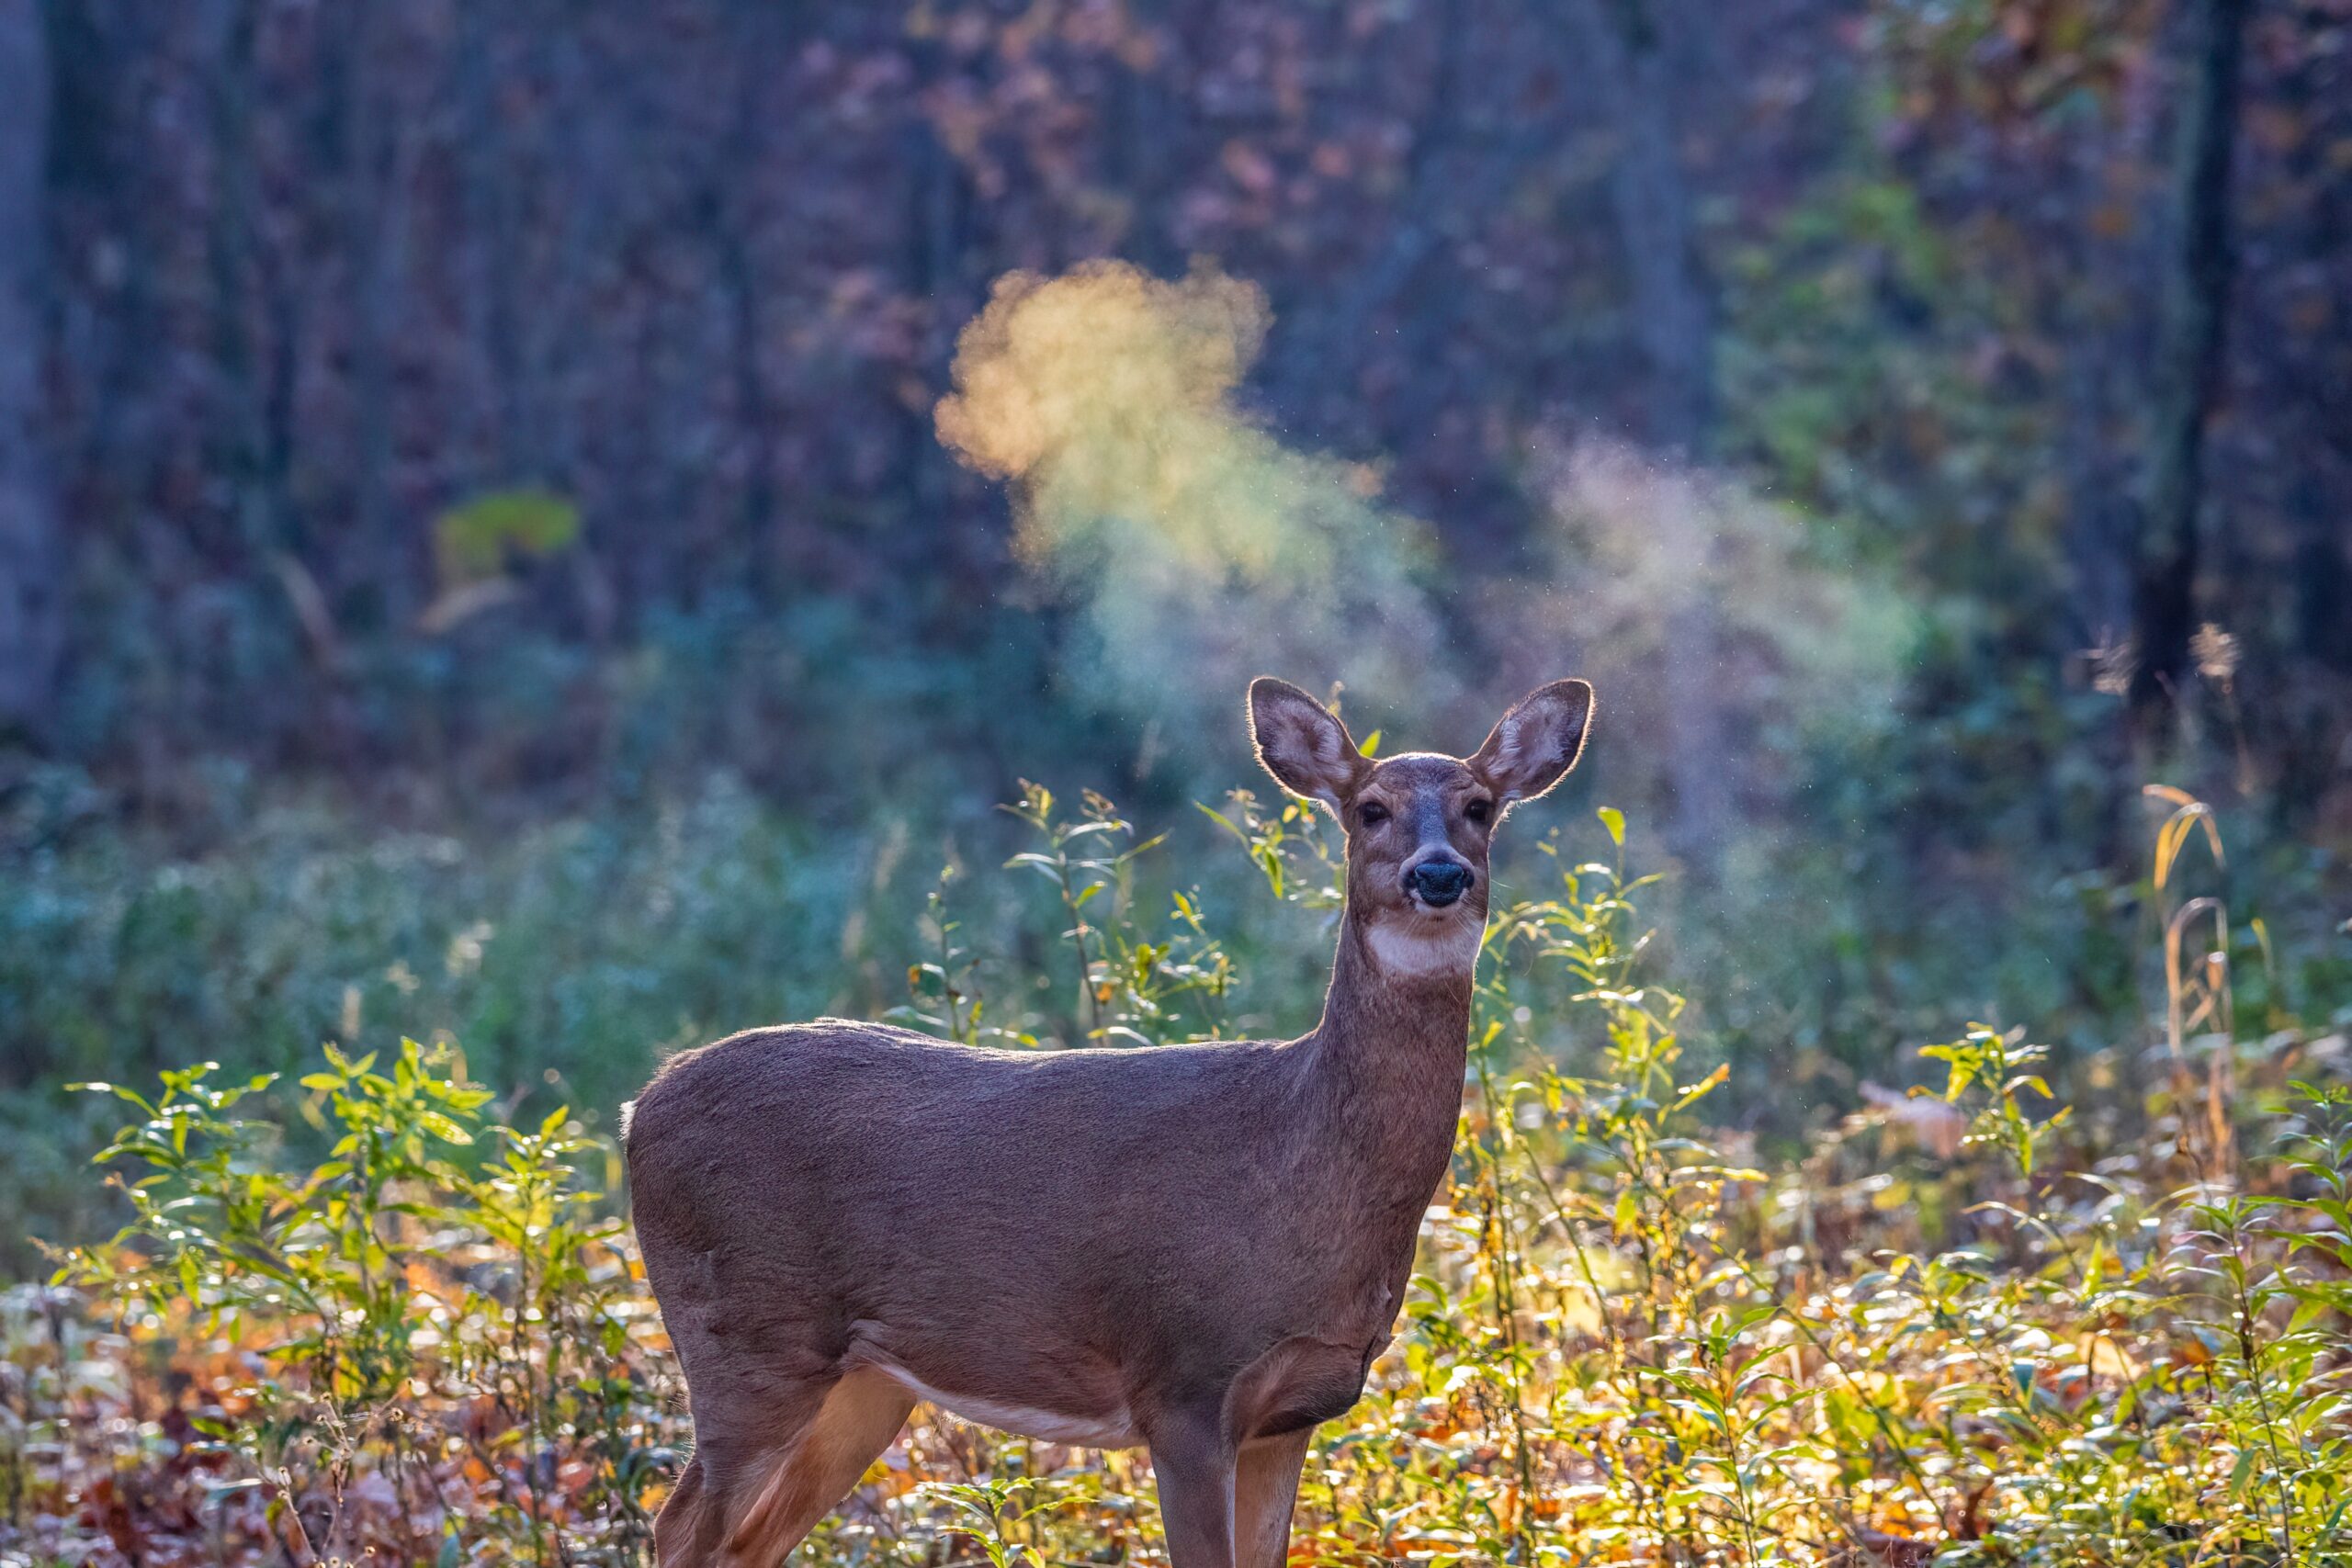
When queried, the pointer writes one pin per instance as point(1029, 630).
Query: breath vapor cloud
point(1198, 548)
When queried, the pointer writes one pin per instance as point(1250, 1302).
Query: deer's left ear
point(1537, 742)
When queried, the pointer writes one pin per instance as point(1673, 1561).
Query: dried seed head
point(2113, 663)
point(2216, 653)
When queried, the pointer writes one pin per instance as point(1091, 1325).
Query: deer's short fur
point(1198, 1248)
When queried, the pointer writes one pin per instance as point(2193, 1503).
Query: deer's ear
point(1303, 744)
point(1537, 742)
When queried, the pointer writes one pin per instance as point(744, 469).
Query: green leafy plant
point(440, 1303)
point(1131, 982)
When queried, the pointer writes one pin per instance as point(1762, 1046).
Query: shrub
point(435, 1327)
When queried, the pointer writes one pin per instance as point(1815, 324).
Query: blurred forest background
point(483, 551)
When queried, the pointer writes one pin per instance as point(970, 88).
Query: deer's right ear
point(1303, 744)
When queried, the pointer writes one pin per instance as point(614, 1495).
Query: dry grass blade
point(2189, 813)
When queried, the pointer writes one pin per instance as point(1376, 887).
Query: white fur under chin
point(1420, 946)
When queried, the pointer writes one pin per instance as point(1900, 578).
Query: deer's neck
point(1389, 1057)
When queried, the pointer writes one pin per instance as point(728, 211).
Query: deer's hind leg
point(743, 1506)
point(799, 1485)
point(687, 1529)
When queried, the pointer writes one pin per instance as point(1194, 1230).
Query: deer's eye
point(1371, 814)
point(1479, 810)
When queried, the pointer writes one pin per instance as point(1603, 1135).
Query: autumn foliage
point(1969, 1326)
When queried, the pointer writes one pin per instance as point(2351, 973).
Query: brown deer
point(1196, 1248)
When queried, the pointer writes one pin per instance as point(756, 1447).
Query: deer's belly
point(1113, 1428)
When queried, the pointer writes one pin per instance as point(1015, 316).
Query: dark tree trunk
point(1321, 358)
point(1673, 305)
point(374, 225)
point(754, 411)
point(2188, 362)
point(495, 264)
point(2322, 579)
point(937, 264)
point(765, 38)
point(1673, 299)
point(32, 611)
point(243, 442)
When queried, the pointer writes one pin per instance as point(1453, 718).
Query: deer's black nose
point(1438, 882)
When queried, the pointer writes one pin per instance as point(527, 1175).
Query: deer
point(1197, 1249)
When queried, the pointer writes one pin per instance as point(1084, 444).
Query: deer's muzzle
point(1438, 881)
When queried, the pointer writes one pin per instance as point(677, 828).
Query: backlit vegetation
point(1971, 1326)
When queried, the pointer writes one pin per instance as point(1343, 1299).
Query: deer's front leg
point(1265, 1491)
point(1194, 1464)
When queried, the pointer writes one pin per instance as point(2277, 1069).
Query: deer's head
point(1419, 824)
